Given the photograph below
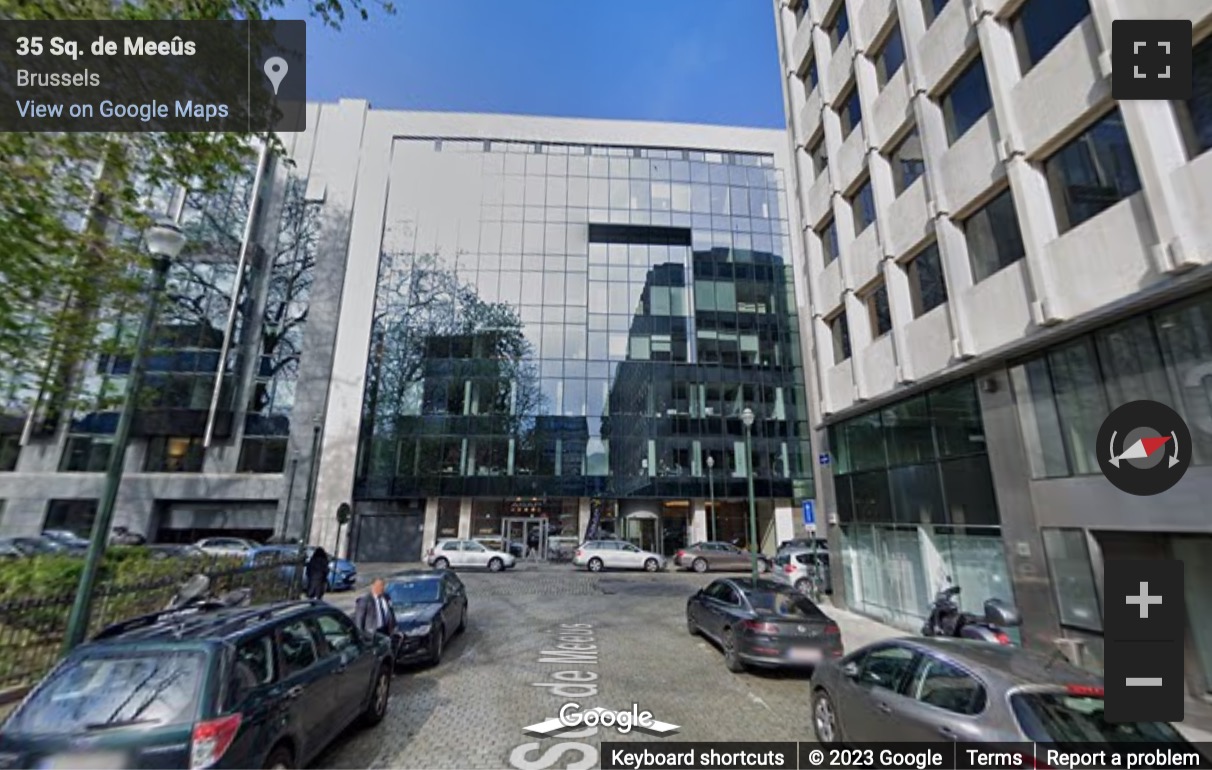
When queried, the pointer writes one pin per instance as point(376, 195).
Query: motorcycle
point(195, 593)
point(946, 618)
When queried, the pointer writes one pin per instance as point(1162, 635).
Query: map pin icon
point(275, 70)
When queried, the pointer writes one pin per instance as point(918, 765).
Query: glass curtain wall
point(915, 503)
point(582, 321)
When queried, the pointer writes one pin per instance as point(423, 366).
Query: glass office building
point(563, 328)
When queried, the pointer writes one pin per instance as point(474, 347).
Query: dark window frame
point(1038, 27)
point(1070, 211)
point(818, 154)
point(1195, 114)
point(850, 110)
point(1000, 260)
point(891, 42)
point(156, 457)
point(10, 451)
point(830, 242)
point(932, 9)
point(914, 273)
point(839, 331)
point(879, 312)
point(903, 171)
point(965, 79)
point(838, 25)
point(801, 10)
point(862, 207)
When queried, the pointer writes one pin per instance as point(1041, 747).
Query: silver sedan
point(916, 689)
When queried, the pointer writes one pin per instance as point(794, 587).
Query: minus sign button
point(1143, 681)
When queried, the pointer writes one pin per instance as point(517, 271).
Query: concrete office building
point(488, 326)
point(998, 254)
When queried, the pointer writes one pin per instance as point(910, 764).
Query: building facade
point(463, 326)
point(998, 254)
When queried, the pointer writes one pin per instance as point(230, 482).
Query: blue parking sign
point(809, 513)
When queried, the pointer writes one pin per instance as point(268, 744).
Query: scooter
point(195, 593)
point(946, 618)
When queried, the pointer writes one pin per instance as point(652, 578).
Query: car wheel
point(595, 564)
point(462, 619)
point(732, 661)
point(279, 759)
point(438, 644)
point(824, 718)
point(377, 708)
point(691, 627)
point(651, 565)
point(495, 564)
point(699, 565)
point(441, 564)
point(804, 586)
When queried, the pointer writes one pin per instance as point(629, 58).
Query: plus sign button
point(1143, 600)
point(1151, 59)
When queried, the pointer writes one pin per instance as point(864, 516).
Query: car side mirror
point(850, 669)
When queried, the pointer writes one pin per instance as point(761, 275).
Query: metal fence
point(32, 630)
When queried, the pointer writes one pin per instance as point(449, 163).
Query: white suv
point(463, 554)
point(804, 570)
point(596, 555)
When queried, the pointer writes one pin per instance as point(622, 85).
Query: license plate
point(804, 654)
point(93, 760)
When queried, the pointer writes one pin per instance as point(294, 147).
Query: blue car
point(342, 573)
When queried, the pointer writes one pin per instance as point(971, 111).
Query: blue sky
point(694, 61)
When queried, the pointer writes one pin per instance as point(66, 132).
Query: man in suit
point(373, 611)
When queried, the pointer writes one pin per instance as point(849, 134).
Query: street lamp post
point(711, 492)
point(164, 242)
point(747, 419)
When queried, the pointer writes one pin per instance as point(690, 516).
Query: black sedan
point(430, 608)
point(762, 623)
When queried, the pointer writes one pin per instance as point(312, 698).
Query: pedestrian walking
point(316, 573)
point(374, 613)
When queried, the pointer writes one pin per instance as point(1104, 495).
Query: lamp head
point(710, 461)
point(165, 239)
point(747, 417)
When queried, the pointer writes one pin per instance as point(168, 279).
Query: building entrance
point(526, 537)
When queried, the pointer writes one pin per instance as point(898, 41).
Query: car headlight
point(418, 630)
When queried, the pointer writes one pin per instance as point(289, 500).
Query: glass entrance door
point(645, 533)
point(526, 537)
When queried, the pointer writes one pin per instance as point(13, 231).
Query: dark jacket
point(366, 616)
point(317, 567)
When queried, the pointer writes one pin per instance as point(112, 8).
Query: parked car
point(806, 543)
point(342, 573)
point(718, 556)
point(430, 608)
point(799, 569)
point(30, 546)
point(261, 686)
point(916, 689)
point(176, 551)
point(227, 546)
point(67, 539)
point(468, 554)
point(514, 547)
point(596, 555)
point(762, 623)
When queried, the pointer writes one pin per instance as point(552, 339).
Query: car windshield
point(94, 693)
point(414, 592)
point(1057, 717)
point(782, 603)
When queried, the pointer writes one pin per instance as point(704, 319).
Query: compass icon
point(1144, 448)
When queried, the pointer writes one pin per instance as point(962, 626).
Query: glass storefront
point(916, 504)
point(564, 322)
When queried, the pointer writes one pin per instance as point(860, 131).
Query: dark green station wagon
point(248, 687)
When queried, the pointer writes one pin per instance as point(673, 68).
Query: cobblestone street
point(469, 711)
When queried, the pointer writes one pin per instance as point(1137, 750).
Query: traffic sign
point(823, 459)
point(809, 513)
point(343, 513)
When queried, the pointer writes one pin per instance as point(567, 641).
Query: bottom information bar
point(637, 755)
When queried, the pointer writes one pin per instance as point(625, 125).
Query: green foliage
point(64, 282)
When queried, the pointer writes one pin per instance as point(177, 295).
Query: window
point(298, 647)
point(828, 236)
point(839, 26)
point(254, 667)
point(907, 161)
point(452, 545)
point(1061, 718)
point(862, 206)
point(945, 686)
point(89, 454)
point(993, 237)
point(801, 10)
point(927, 286)
point(877, 308)
point(1068, 557)
point(841, 338)
point(932, 8)
point(889, 56)
point(1092, 173)
point(338, 633)
point(1195, 114)
point(966, 100)
point(1041, 24)
point(887, 668)
point(818, 156)
point(169, 454)
point(10, 448)
point(813, 76)
point(262, 455)
point(723, 592)
point(849, 111)
point(1081, 402)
